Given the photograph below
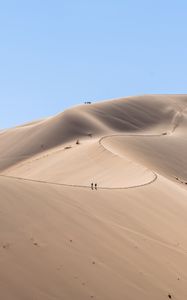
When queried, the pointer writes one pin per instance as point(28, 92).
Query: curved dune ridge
point(59, 239)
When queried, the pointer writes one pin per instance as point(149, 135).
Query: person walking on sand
point(92, 185)
point(95, 186)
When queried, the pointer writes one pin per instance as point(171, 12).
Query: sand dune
point(126, 240)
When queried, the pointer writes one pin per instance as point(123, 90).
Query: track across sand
point(174, 124)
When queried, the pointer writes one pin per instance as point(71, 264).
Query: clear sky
point(57, 53)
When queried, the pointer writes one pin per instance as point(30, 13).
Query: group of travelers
point(94, 186)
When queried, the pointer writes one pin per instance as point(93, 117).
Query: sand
point(59, 239)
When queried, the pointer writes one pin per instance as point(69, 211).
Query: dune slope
point(59, 239)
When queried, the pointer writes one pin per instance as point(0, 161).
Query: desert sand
point(127, 240)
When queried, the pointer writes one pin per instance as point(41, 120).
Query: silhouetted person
point(95, 186)
point(92, 185)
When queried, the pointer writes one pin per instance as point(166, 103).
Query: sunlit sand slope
point(59, 239)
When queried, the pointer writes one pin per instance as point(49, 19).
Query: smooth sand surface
point(127, 240)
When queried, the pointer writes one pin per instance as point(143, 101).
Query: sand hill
point(61, 240)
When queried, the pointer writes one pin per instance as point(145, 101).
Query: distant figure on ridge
point(92, 185)
point(95, 186)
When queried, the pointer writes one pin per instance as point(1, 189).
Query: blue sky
point(54, 54)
